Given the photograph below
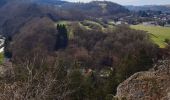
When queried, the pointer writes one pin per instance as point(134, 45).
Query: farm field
point(158, 34)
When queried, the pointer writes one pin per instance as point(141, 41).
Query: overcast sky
point(133, 2)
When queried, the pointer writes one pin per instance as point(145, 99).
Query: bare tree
point(39, 81)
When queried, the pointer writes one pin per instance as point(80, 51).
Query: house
point(121, 22)
point(151, 23)
point(167, 25)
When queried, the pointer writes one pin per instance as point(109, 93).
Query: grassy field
point(87, 24)
point(158, 34)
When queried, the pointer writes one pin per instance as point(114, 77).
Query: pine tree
point(7, 52)
point(62, 37)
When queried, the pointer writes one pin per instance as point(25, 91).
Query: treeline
point(118, 54)
point(49, 65)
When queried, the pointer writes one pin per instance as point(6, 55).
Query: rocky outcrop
point(149, 85)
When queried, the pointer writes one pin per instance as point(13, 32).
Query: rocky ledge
point(148, 85)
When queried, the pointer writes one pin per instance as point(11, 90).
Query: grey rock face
point(148, 85)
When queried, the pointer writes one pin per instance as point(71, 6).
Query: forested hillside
point(69, 51)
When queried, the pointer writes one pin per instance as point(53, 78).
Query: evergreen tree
point(7, 52)
point(62, 37)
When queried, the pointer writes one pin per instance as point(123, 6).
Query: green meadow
point(157, 33)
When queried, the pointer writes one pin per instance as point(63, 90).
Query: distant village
point(150, 18)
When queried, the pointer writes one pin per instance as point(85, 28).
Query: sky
point(133, 2)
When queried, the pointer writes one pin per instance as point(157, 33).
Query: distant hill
point(16, 13)
point(97, 8)
point(52, 2)
point(163, 8)
point(92, 9)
